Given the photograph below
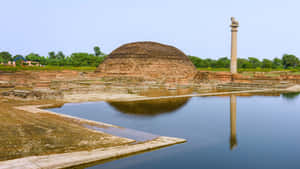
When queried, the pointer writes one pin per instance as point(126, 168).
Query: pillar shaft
point(233, 63)
point(234, 29)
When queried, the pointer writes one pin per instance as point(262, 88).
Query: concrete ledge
point(76, 158)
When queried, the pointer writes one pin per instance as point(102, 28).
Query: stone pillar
point(234, 28)
point(233, 140)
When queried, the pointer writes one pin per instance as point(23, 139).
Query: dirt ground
point(26, 134)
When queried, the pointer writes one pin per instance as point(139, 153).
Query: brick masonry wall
point(167, 70)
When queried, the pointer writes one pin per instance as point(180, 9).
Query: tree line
point(59, 58)
point(94, 59)
point(287, 61)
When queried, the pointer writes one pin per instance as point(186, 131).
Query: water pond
point(223, 132)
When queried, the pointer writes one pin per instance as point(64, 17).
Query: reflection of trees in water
point(290, 95)
point(149, 107)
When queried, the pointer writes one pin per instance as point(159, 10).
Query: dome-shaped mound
point(149, 60)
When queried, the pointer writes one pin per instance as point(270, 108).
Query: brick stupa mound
point(149, 60)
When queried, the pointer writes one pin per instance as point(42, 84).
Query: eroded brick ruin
point(149, 60)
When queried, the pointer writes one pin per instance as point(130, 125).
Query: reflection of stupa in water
point(233, 140)
point(150, 107)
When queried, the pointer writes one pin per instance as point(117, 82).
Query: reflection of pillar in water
point(233, 141)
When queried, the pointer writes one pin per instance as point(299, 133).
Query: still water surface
point(223, 132)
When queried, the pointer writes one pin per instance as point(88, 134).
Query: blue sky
point(268, 28)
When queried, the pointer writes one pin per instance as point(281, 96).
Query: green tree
point(18, 59)
point(198, 62)
point(60, 55)
point(43, 60)
point(277, 63)
point(52, 55)
point(97, 51)
point(255, 63)
point(223, 62)
point(81, 59)
point(53, 62)
point(266, 63)
point(33, 57)
point(243, 63)
point(209, 62)
point(289, 61)
point(5, 57)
